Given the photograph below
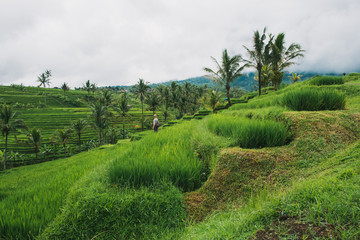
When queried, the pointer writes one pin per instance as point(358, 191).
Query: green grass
point(32, 196)
point(168, 155)
point(331, 196)
point(249, 133)
point(326, 80)
point(312, 99)
point(136, 190)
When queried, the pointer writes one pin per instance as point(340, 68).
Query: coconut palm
point(62, 136)
point(44, 80)
point(153, 100)
point(141, 89)
point(65, 87)
point(93, 88)
point(227, 72)
point(165, 99)
point(214, 100)
point(8, 124)
point(79, 126)
point(259, 55)
point(35, 139)
point(100, 115)
point(122, 108)
point(295, 77)
point(282, 57)
point(266, 75)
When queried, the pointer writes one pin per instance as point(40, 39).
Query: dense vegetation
point(280, 162)
point(140, 189)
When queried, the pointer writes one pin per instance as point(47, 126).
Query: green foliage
point(329, 199)
point(132, 214)
point(313, 99)
point(248, 133)
point(168, 155)
point(326, 80)
point(31, 196)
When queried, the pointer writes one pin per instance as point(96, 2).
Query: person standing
point(156, 123)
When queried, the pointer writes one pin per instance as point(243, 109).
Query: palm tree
point(93, 88)
point(123, 108)
point(227, 72)
point(44, 80)
point(106, 97)
point(165, 99)
point(214, 100)
point(79, 126)
point(87, 87)
point(281, 57)
point(62, 135)
point(9, 123)
point(141, 89)
point(100, 115)
point(295, 77)
point(266, 75)
point(259, 55)
point(153, 100)
point(65, 87)
point(35, 139)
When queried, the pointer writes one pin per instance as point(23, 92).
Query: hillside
point(258, 170)
point(246, 82)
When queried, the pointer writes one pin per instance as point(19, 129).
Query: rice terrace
point(249, 150)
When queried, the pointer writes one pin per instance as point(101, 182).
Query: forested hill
point(246, 82)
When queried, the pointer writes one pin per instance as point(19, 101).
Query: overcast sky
point(116, 42)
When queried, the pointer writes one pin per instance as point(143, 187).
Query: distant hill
point(246, 82)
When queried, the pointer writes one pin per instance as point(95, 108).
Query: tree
point(93, 88)
point(266, 75)
point(122, 108)
point(9, 123)
point(165, 96)
point(87, 87)
point(153, 100)
point(35, 139)
point(62, 136)
point(281, 57)
point(214, 100)
point(227, 72)
point(295, 77)
point(259, 55)
point(100, 116)
point(141, 89)
point(105, 98)
point(65, 87)
point(44, 80)
point(79, 126)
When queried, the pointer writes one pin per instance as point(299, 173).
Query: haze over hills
point(246, 82)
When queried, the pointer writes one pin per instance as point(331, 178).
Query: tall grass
point(326, 80)
point(249, 133)
point(329, 197)
point(314, 99)
point(96, 210)
point(31, 196)
point(166, 156)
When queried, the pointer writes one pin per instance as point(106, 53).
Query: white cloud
point(116, 42)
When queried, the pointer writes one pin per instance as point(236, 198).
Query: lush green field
point(58, 113)
point(185, 182)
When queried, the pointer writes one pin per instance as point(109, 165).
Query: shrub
point(249, 133)
point(312, 99)
point(326, 80)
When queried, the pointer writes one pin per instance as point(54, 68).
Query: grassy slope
point(302, 181)
point(59, 113)
point(40, 190)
